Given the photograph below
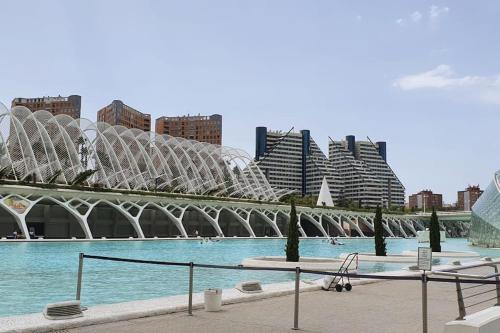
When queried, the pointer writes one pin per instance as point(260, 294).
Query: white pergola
point(60, 148)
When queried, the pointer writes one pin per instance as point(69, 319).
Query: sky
point(423, 76)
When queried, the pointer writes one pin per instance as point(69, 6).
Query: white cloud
point(440, 77)
point(435, 12)
point(416, 16)
point(359, 17)
point(483, 88)
point(433, 16)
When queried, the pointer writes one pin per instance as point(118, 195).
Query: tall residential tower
point(368, 179)
point(294, 161)
point(357, 172)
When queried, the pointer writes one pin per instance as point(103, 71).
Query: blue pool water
point(34, 274)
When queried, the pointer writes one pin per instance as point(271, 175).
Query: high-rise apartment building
point(293, 161)
point(118, 113)
point(70, 105)
point(199, 128)
point(368, 180)
point(467, 198)
point(360, 185)
point(356, 171)
point(426, 199)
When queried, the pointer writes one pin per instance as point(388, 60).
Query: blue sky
point(423, 76)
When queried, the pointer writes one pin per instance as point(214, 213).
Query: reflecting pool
point(34, 274)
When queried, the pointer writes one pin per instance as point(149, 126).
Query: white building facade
point(357, 172)
point(368, 179)
point(293, 161)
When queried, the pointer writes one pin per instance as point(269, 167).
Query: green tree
point(435, 235)
point(380, 248)
point(292, 242)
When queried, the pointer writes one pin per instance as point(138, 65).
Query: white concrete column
point(81, 218)
point(213, 221)
point(272, 222)
point(352, 224)
point(337, 226)
point(243, 220)
point(19, 214)
point(386, 227)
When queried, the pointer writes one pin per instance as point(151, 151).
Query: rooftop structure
point(118, 113)
point(199, 128)
point(70, 105)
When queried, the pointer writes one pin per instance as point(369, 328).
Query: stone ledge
point(107, 313)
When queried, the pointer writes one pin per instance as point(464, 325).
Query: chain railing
point(449, 276)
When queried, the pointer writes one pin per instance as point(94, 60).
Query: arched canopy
point(61, 149)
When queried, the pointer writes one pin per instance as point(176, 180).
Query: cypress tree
point(435, 235)
point(380, 249)
point(292, 242)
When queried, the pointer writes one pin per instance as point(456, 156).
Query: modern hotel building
point(356, 171)
point(293, 160)
point(367, 177)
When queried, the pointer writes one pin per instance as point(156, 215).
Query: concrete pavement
point(391, 306)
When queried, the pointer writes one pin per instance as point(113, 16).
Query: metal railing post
point(497, 278)
point(460, 300)
point(190, 302)
point(424, 303)
point(296, 309)
point(80, 275)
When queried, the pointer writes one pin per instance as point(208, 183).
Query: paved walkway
point(392, 306)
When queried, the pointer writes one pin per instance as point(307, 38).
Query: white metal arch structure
point(19, 201)
point(59, 148)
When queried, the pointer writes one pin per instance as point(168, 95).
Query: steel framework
point(64, 150)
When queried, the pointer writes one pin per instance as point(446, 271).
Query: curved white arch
point(315, 223)
point(330, 220)
point(39, 143)
point(271, 223)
